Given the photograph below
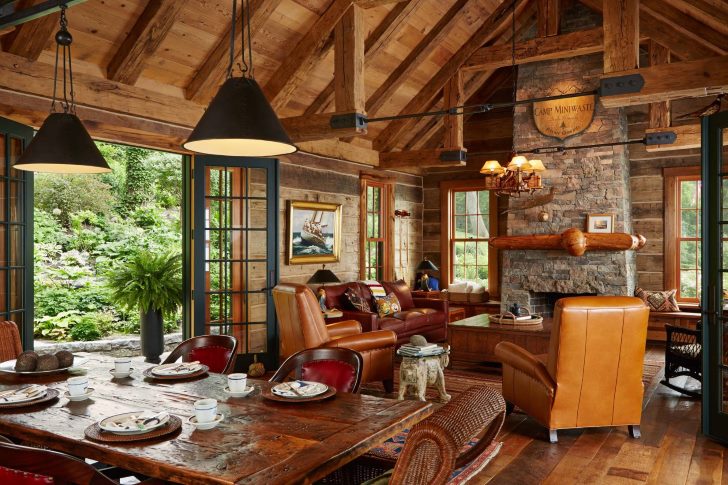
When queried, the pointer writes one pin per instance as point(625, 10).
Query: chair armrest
point(344, 328)
point(439, 305)
point(369, 321)
point(365, 341)
point(522, 360)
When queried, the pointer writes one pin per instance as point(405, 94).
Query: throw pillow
point(376, 288)
point(389, 305)
point(356, 301)
point(658, 301)
point(400, 288)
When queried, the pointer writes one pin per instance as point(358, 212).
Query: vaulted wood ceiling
point(159, 62)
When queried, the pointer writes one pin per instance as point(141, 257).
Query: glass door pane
point(236, 201)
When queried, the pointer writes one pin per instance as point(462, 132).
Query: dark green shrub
point(139, 183)
point(71, 193)
point(86, 329)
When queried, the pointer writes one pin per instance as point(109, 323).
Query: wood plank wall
point(313, 178)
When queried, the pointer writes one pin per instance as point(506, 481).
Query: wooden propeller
point(574, 241)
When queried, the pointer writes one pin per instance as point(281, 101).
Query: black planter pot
point(152, 333)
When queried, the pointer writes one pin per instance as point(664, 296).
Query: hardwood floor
point(671, 450)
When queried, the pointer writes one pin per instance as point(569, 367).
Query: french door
point(715, 278)
point(16, 231)
point(235, 253)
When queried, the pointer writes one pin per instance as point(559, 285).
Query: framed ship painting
point(314, 232)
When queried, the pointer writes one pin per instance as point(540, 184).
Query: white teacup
point(238, 382)
point(77, 385)
point(205, 410)
point(122, 365)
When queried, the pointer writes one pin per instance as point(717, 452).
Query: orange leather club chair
point(592, 375)
point(302, 326)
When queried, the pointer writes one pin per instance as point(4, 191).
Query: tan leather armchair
point(302, 326)
point(592, 375)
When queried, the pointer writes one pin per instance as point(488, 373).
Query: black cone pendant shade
point(240, 122)
point(62, 145)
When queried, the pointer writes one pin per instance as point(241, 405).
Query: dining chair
point(451, 446)
point(215, 351)
point(336, 367)
point(10, 345)
point(23, 465)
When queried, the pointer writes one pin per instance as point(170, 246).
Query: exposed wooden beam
point(658, 113)
point(549, 16)
point(688, 136)
point(33, 11)
point(317, 127)
point(454, 96)
point(349, 93)
point(299, 62)
point(573, 44)
point(691, 28)
point(488, 30)
point(413, 60)
point(29, 39)
point(150, 29)
point(377, 3)
point(621, 35)
point(341, 150)
point(211, 73)
point(713, 13)
point(419, 159)
point(374, 44)
point(673, 81)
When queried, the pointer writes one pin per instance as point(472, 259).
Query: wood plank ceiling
point(174, 53)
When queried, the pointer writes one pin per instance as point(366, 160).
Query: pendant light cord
point(513, 74)
point(232, 39)
point(63, 48)
point(246, 43)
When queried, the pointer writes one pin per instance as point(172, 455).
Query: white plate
point(168, 369)
point(303, 389)
point(118, 375)
point(105, 423)
point(244, 393)
point(9, 367)
point(203, 426)
point(81, 397)
point(42, 391)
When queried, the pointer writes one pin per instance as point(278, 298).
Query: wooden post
point(549, 15)
point(621, 35)
point(453, 95)
point(659, 113)
point(349, 92)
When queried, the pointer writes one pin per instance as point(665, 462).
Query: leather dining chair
point(302, 326)
point(592, 375)
point(217, 352)
point(10, 345)
point(334, 366)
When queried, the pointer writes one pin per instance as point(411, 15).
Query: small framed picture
point(600, 223)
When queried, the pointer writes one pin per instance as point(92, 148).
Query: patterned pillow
point(357, 301)
point(658, 301)
point(388, 305)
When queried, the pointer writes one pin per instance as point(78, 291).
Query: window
point(375, 226)
point(468, 216)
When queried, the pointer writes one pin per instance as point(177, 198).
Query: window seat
point(688, 317)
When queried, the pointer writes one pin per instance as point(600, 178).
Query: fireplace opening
point(543, 303)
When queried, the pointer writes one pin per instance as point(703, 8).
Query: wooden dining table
point(259, 441)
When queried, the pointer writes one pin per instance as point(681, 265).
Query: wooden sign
point(562, 118)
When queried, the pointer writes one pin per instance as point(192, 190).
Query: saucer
point(118, 375)
point(202, 426)
point(82, 397)
point(244, 393)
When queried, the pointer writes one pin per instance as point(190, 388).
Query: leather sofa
point(419, 316)
point(301, 326)
point(592, 375)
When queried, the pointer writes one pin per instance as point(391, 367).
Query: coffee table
point(474, 339)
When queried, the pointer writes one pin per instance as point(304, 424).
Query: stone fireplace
point(586, 181)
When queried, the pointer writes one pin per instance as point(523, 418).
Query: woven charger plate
point(50, 395)
point(148, 373)
point(266, 393)
point(95, 432)
point(535, 320)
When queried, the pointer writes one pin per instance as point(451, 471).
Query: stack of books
point(409, 350)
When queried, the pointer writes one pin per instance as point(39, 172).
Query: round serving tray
point(507, 319)
point(95, 432)
point(50, 395)
point(148, 373)
point(266, 393)
point(9, 367)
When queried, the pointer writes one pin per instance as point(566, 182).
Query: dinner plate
point(299, 389)
point(126, 423)
point(175, 369)
point(23, 394)
point(9, 367)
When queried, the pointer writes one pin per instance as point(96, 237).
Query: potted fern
point(152, 284)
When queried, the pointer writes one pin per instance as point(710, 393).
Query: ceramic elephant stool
point(419, 372)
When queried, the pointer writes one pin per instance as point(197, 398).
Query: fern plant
point(148, 281)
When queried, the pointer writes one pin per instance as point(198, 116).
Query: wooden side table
point(456, 314)
point(435, 294)
point(420, 372)
point(332, 313)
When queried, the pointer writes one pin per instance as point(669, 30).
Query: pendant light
point(240, 121)
point(62, 144)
